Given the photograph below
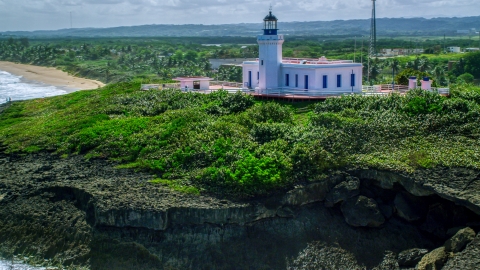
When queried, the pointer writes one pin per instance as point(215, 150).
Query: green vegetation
point(161, 59)
point(232, 145)
point(118, 60)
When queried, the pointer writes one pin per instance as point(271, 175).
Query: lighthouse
point(317, 76)
point(270, 54)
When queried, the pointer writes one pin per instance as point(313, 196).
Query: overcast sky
point(55, 14)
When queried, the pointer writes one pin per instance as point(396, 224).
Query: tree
point(472, 64)
point(466, 77)
point(191, 56)
point(424, 64)
point(439, 74)
point(394, 65)
point(24, 42)
point(402, 77)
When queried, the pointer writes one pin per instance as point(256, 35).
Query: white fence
point(386, 89)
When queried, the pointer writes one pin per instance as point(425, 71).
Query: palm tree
point(394, 64)
point(424, 64)
point(439, 74)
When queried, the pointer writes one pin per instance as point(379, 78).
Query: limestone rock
point(409, 207)
point(458, 242)
point(362, 212)
point(343, 191)
point(467, 259)
point(411, 257)
point(389, 262)
point(433, 260)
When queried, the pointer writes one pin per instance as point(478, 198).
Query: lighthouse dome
point(270, 17)
point(270, 24)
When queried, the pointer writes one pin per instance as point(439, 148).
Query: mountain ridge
point(385, 26)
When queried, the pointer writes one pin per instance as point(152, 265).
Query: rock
point(285, 212)
point(452, 231)
point(437, 221)
point(387, 210)
point(458, 242)
point(467, 259)
point(411, 257)
point(389, 262)
point(433, 260)
point(362, 212)
point(315, 192)
point(409, 207)
point(343, 191)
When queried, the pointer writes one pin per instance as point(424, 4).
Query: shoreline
point(50, 76)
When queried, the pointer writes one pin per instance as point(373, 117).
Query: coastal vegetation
point(121, 60)
point(233, 145)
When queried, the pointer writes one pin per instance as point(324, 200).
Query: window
point(325, 81)
point(339, 80)
point(352, 80)
point(306, 82)
point(258, 75)
point(296, 80)
point(287, 79)
point(262, 62)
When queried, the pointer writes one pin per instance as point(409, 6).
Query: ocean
point(5, 265)
point(17, 88)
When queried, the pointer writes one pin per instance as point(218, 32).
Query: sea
point(6, 265)
point(14, 87)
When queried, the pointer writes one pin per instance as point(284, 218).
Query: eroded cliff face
point(78, 212)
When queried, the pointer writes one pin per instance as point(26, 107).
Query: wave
point(16, 88)
point(5, 265)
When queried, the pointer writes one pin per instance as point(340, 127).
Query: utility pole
point(444, 51)
point(361, 54)
point(373, 38)
point(355, 51)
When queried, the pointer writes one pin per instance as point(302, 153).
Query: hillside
point(386, 26)
point(118, 178)
point(231, 144)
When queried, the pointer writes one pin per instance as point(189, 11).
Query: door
point(249, 79)
point(196, 85)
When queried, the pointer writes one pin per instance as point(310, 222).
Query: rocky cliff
point(71, 211)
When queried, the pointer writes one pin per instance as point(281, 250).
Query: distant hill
point(385, 26)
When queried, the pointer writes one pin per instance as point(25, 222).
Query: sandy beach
point(50, 76)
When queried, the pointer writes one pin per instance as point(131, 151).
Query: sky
point(29, 15)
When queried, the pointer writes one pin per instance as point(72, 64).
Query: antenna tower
point(373, 33)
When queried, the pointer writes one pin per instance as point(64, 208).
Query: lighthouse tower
point(270, 54)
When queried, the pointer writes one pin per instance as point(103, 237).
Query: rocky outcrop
point(79, 212)
point(410, 258)
point(467, 259)
point(459, 185)
point(433, 260)
point(343, 191)
point(458, 242)
point(362, 212)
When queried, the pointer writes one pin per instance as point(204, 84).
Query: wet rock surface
point(78, 212)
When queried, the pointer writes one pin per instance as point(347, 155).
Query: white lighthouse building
point(272, 72)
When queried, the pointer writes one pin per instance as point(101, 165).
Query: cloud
point(54, 14)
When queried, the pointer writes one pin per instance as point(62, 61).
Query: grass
point(176, 186)
point(236, 146)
